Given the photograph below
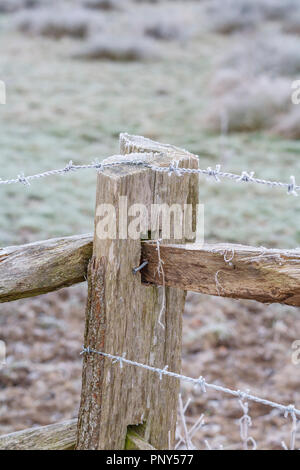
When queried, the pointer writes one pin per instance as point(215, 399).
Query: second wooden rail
point(253, 273)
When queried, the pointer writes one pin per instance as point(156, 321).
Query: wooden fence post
point(122, 313)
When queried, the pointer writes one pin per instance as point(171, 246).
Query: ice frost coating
point(287, 410)
point(246, 177)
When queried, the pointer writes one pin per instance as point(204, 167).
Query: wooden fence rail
point(236, 271)
point(253, 273)
point(38, 268)
point(130, 313)
point(61, 436)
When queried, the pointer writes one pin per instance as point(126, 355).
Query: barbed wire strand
point(246, 177)
point(201, 382)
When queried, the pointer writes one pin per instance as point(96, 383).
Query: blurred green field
point(212, 56)
point(60, 109)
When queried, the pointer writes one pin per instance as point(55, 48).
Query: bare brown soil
point(239, 344)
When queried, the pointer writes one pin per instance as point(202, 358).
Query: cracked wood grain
point(227, 270)
point(122, 315)
point(41, 267)
point(61, 436)
point(269, 276)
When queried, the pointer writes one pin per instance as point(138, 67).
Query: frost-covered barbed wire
point(289, 410)
point(245, 177)
point(70, 167)
point(245, 421)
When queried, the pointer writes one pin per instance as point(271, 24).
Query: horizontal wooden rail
point(236, 271)
point(253, 273)
point(38, 268)
point(61, 436)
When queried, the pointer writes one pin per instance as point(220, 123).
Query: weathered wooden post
point(122, 315)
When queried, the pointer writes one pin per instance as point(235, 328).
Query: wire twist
point(216, 174)
point(204, 385)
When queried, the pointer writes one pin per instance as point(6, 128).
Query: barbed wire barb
point(246, 177)
point(243, 396)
